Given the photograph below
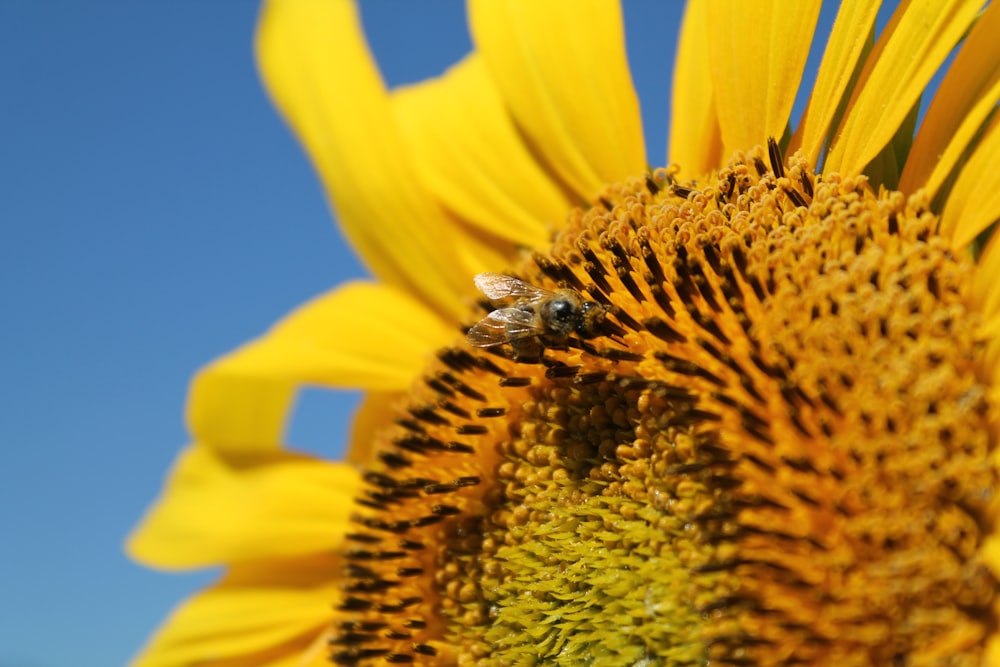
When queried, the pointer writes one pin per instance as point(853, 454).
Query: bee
point(538, 317)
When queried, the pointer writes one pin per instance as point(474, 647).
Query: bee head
point(591, 316)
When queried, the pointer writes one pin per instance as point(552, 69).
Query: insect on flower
point(537, 316)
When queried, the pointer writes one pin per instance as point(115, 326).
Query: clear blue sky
point(155, 213)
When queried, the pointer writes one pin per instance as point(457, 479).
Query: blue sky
point(155, 213)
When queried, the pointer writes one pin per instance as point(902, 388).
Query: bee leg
point(527, 350)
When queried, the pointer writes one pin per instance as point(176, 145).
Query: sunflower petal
point(986, 297)
point(561, 67)
point(991, 656)
point(885, 168)
point(974, 201)
point(358, 335)
point(468, 152)
point(985, 293)
point(213, 513)
point(966, 97)
point(377, 409)
point(695, 137)
point(913, 46)
point(758, 50)
point(847, 44)
point(317, 68)
point(267, 614)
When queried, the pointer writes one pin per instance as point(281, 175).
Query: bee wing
point(503, 326)
point(500, 286)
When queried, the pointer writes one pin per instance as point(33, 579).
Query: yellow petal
point(884, 170)
point(991, 553)
point(847, 43)
point(377, 410)
point(695, 137)
point(985, 293)
point(262, 614)
point(317, 67)
point(974, 201)
point(991, 656)
point(758, 50)
point(913, 46)
point(561, 67)
point(966, 97)
point(359, 335)
point(211, 512)
point(470, 156)
point(986, 298)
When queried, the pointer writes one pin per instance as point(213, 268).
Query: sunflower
point(762, 429)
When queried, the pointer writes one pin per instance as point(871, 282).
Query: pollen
point(776, 449)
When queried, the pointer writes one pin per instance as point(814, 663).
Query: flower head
point(740, 409)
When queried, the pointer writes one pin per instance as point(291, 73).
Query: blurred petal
point(991, 656)
point(695, 137)
point(758, 50)
point(377, 409)
point(264, 614)
point(985, 293)
point(968, 94)
point(471, 157)
point(986, 300)
point(317, 67)
point(359, 335)
point(913, 46)
point(848, 41)
point(211, 512)
point(974, 202)
point(561, 68)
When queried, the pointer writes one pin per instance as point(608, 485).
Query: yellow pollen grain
point(777, 449)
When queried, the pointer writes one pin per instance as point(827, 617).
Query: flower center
point(776, 447)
